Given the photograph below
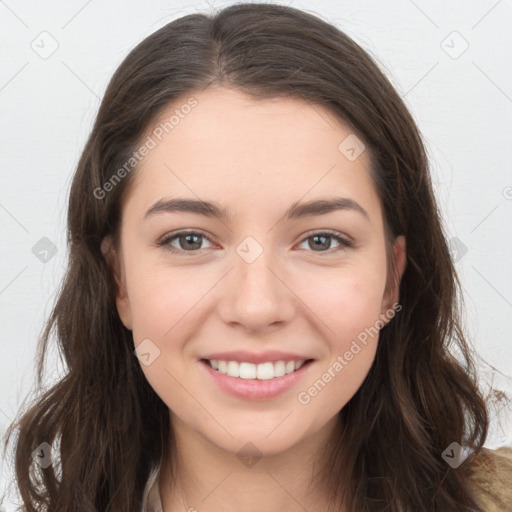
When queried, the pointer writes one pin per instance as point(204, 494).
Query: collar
point(151, 501)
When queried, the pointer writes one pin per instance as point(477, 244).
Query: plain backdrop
point(450, 61)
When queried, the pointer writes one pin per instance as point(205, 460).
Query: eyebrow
point(296, 210)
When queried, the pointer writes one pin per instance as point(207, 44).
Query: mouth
point(255, 381)
point(263, 371)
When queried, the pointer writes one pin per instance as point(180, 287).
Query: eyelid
point(335, 234)
point(167, 238)
point(345, 241)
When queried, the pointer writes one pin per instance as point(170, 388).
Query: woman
point(295, 356)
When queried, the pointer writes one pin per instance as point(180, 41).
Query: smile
point(255, 381)
point(263, 371)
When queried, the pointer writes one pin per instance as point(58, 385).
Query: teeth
point(233, 369)
point(247, 371)
point(279, 369)
point(263, 371)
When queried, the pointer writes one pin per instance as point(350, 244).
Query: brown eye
point(183, 241)
point(322, 241)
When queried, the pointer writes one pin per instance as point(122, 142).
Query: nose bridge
point(256, 296)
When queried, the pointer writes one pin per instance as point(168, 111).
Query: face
point(258, 284)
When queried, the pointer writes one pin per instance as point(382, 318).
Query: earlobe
point(114, 262)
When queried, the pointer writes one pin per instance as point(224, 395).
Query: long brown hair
point(110, 426)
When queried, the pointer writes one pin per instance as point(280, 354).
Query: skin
point(255, 158)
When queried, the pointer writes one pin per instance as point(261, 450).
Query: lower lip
point(256, 389)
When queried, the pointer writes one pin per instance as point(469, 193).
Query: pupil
point(325, 244)
point(188, 239)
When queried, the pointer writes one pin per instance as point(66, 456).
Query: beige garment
point(151, 501)
point(492, 476)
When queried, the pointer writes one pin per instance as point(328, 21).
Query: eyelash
point(165, 241)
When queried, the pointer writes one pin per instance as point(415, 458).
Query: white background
point(461, 100)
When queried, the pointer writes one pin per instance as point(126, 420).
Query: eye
point(186, 240)
point(322, 240)
point(190, 241)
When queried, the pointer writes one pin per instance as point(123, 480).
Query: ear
point(115, 263)
point(392, 294)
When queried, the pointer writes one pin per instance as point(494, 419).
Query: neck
point(209, 478)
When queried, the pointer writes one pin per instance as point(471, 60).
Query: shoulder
point(491, 474)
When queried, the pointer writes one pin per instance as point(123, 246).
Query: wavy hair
point(110, 426)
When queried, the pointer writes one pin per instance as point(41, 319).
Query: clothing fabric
point(151, 501)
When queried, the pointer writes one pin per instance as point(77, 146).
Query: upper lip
point(256, 357)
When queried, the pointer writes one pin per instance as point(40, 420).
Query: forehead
point(252, 153)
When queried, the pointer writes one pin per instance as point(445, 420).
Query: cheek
point(351, 342)
point(334, 383)
point(349, 306)
point(166, 309)
point(162, 298)
point(347, 300)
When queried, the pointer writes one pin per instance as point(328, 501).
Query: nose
point(256, 295)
